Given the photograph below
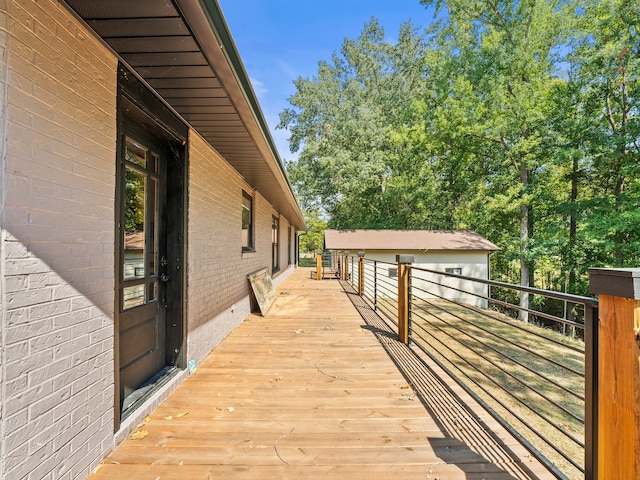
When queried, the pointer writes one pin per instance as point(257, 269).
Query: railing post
point(318, 266)
point(361, 273)
point(375, 285)
point(345, 270)
point(404, 262)
point(591, 392)
point(617, 450)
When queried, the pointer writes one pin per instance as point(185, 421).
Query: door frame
point(137, 104)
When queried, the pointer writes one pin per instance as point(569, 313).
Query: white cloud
point(259, 88)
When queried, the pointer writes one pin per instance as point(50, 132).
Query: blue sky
point(281, 40)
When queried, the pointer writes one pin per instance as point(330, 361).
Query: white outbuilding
point(456, 252)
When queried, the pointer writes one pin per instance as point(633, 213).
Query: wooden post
point(318, 266)
point(375, 285)
point(618, 401)
point(361, 273)
point(404, 261)
point(345, 270)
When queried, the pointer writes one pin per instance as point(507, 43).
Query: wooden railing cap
point(616, 282)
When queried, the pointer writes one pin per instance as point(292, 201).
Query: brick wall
point(4, 77)
point(57, 171)
point(218, 295)
point(57, 241)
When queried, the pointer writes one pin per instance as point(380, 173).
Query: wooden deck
point(315, 389)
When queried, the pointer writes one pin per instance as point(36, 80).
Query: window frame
point(250, 247)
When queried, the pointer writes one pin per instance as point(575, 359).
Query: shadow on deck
point(319, 387)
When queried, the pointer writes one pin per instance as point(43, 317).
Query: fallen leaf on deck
point(180, 415)
point(146, 420)
point(140, 434)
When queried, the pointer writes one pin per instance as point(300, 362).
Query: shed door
point(142, 273)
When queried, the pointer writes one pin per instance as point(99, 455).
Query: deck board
point(314, 391)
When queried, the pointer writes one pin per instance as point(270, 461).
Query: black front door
point(151, 205)
point(142, 279)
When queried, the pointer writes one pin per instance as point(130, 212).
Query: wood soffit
point(184, 51)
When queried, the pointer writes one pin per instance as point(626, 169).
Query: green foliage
point(313, 239)
point(517, 119)
point(343, 121)
point(134, 201)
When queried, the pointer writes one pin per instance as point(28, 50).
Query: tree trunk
point(619, 237)
point(525, 272)
point(571, 254)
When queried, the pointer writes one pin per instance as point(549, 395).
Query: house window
point(455, 271)
point(393, 272)
point(275, 247)
point(247, 222)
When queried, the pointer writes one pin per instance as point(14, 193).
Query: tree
point(342, 121)
point(518, 119)
point(606, 65)
point(313, 240)
point(504, 56)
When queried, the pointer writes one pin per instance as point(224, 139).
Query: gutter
point(227, 45)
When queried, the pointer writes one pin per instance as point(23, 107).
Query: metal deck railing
point(529, 363)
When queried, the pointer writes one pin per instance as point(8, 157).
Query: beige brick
point(61, 111)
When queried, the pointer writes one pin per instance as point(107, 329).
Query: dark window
point(455, 271)
point(275, 247)
point(247, 222)
point(393, 272)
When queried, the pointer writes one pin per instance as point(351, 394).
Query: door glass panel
point(132, 296)
point(134, 222)
point(153, 235)
point(136, 153)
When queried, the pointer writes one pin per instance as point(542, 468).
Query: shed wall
point(472, 264)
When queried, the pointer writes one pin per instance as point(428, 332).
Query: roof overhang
point(184, 51)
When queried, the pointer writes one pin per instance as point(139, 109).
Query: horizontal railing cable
point(514, 307)
point(512, 376)
point(501, 403)
point(515, 326)
point(518, 361)
point(592, 302)
point(498, 417)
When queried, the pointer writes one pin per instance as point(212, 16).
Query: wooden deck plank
point(209, 472)
point(311, 391)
